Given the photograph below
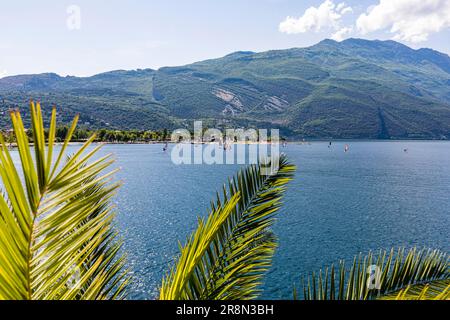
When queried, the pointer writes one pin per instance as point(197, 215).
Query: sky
point(83, 38)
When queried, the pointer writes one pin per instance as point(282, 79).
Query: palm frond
point(56, 238)
point(395, 271)
point(228, 254)
point(434, 290)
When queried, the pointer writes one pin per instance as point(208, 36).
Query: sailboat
point(346, 148)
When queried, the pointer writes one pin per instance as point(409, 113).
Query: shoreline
point(294, 142)
point(287, 142)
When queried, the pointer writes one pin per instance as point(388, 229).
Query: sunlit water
point(375, 196)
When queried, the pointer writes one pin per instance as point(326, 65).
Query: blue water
point(375, 196)
point(340, 204)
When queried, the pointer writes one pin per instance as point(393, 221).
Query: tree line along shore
point(102, 135)
point(106, 135)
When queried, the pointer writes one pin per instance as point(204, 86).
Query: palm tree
point(411, 275)
point(56, 239)
point(228, 254)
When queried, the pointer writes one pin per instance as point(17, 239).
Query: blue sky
point(82, 38)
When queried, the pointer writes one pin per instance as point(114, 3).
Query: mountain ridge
point(351, 89)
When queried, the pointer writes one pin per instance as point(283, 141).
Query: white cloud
point(327, 16)
point(408, 20)
point(340, 6)
point(342, 34)
point(346, 10)
point(3, 73)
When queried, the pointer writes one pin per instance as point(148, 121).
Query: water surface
point(340, 204)
point(375, 196)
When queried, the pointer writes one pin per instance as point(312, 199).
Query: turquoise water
point(375, 196)
point(340, 204)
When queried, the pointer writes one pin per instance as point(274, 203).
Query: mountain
point(350, 89)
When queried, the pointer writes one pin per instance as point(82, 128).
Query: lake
point(373, 197)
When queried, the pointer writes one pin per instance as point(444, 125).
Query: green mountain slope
point(352, 89)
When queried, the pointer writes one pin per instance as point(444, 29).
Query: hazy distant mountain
point(352, 89)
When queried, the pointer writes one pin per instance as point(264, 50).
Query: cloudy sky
point(81, 37)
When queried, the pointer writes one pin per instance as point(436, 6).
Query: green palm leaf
point(228, 254)
point(56, 239)
point(399, 273)
point(434, 290)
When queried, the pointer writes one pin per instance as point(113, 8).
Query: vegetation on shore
point(101, 135)
point(107, 135)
